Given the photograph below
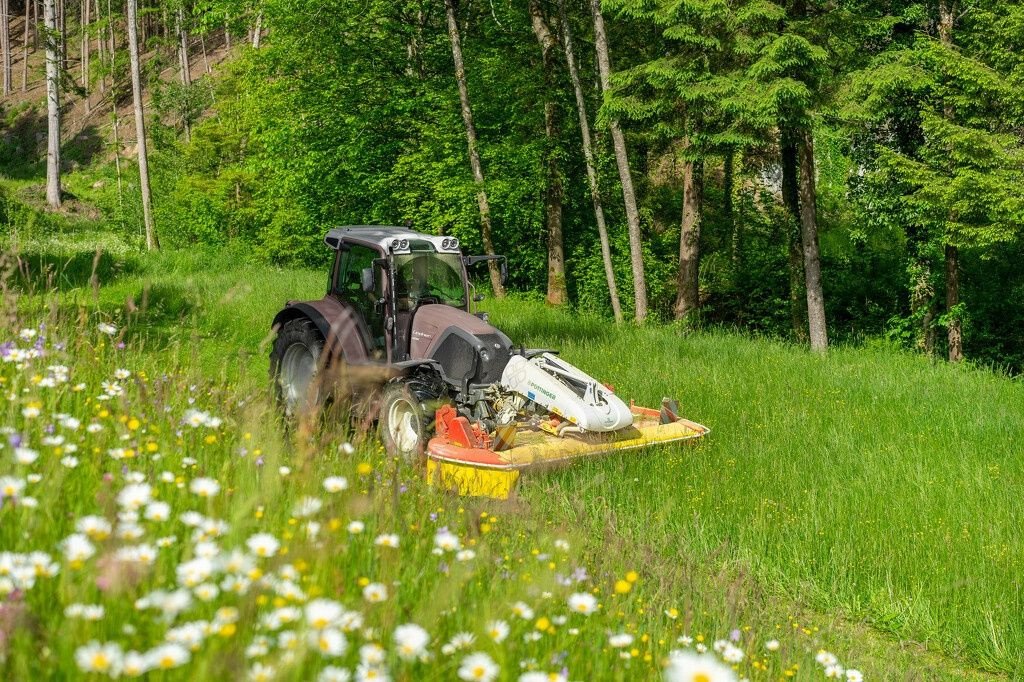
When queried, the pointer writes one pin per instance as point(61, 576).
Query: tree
point(5, 45)
point(588, 158)
point(636, 252)
point(53, 193)
point(940, 122)
point(474, 154)
point(557, 292)
point(152, 241)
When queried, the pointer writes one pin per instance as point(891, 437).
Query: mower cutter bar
point(461, 458)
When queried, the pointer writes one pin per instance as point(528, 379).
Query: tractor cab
point(387, 274)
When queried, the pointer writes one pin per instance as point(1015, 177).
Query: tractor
point(456, 392)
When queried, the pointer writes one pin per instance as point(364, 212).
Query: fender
point(346, 337)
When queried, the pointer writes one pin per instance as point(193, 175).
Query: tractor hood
point(469, 349)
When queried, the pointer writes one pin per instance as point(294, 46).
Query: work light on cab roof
point(445, 387)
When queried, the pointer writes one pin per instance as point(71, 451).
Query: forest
point(816, 171)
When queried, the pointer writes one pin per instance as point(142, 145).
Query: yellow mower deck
point(485, 473)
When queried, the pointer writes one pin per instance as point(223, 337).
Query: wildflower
point(134, 664)
point(561, 545)
point(69, 461)
point(284, 471)
point(335, 484)
point(375, 592)
point(732, 654)
point(826, 659)
point(411, 640)
point(329, 642)
point(321, 613)
point(96, 527)
point(465, 555)
point(26, 456)
point(135, 496)
point(107, 329)
point(306, 507)
point(387, 540)
point(263, 545)
point(206, 592)
point(446, 541)
point(583, 602)
point(347, 448)
point(685, 666)
point(11, 487)
point(620, 640)
point(834, 671)
point(366, 672)
point(99, 658)
point(356, 527)
point(497, 630)
point(854, 675)
point(772, 645)
point(77, 548)
point(204, 487)
point(522, 610)
point(478, 666)
point(261, 673)
point(167, 656)
point(157, 511)
point(334, 674)
point(623, 586)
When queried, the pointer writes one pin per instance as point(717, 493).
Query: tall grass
point(831, 494)
point(865, 482)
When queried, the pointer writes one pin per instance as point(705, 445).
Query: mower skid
point(482, 472)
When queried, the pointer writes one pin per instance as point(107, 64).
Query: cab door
point(348, 287)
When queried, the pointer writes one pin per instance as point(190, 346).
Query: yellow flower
point(542, 623)
point(363, 582)
point(133, 424)
point(622, 587)
point(210, 440)
point(228, 629)
point(632, 576)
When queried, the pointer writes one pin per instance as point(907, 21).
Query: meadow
point(854, 514)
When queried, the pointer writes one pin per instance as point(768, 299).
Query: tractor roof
point(370, 235)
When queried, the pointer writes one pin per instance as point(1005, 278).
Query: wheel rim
point(298, 367)
point(402, 426)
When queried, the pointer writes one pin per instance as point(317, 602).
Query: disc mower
point(452, 390)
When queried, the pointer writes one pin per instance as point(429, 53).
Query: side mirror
point(502, 263)
point(366, 279)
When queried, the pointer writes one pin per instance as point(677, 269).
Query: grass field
point(865, 503)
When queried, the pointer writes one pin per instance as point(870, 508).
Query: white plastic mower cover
point(567, 392)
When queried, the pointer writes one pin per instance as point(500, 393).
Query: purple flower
point(579, 574)
point(49, 428)
point(259, 461)
point(120, 345)
point(108, 477)
point(6, 348)
point(433, 516)
point(402, 488)
point(14, 439)
point(734, 635)
point(443, 567)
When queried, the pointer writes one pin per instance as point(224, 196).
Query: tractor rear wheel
point(402, 423)
point(294, 365)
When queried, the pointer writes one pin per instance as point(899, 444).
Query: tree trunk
point(734, 226)
point(954, 327)
point(52, 104)
point(5, 46)
point(809, 233)
point(227, 31)
point(791, 201)
point(622, 162)
point(557, 292)
point(474, 155)
point(86, 5)
point(257, 31)
point(183, 64)
point(63, 36)
point(588, 157)
point(24, 52)
point(687, 275)
point(152, 242)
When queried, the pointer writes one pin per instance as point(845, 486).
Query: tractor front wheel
point(402, 423)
